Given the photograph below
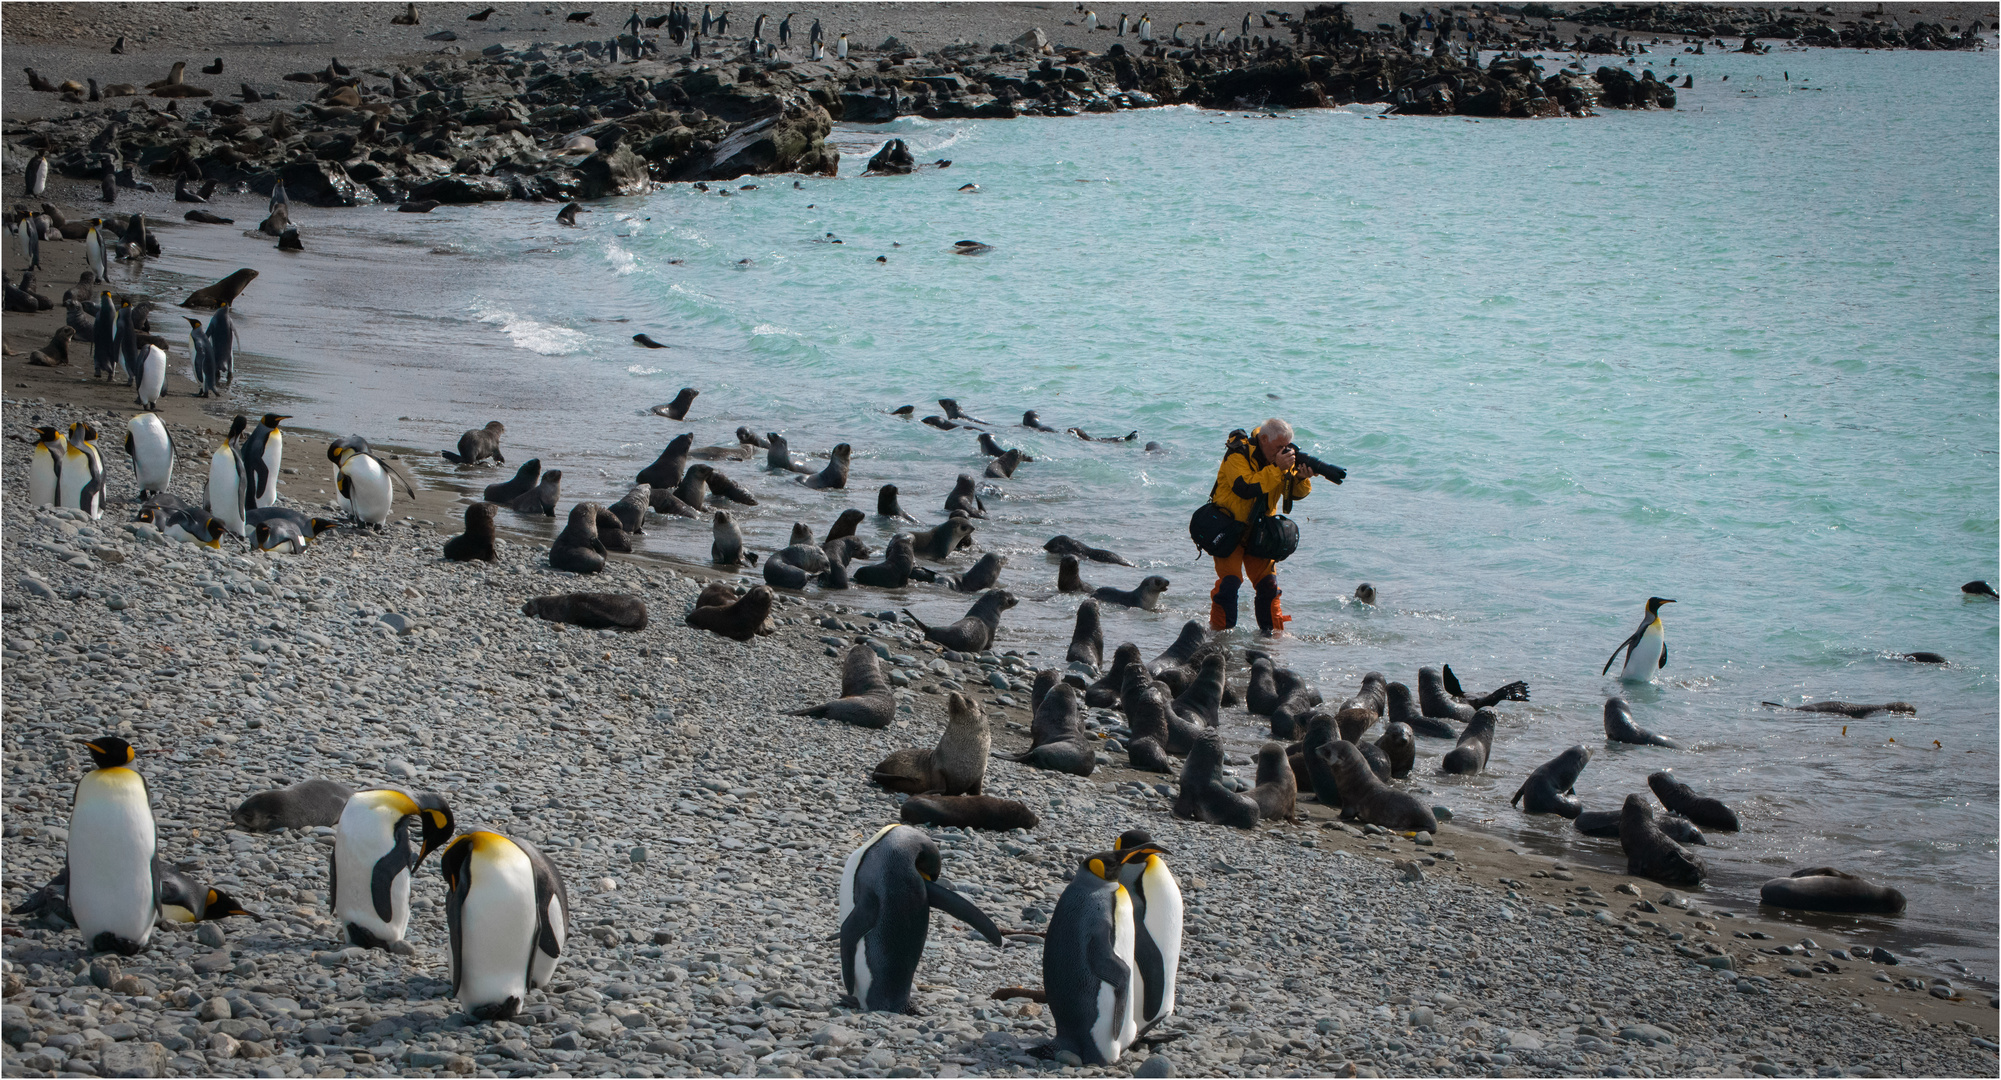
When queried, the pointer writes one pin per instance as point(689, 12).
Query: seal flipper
point(1452, 683)
point(962, 909)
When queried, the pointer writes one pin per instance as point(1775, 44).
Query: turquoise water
point(1742, 355)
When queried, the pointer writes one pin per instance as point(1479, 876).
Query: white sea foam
point(538, 337)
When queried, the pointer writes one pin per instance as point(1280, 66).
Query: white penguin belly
point(111, 846)
point(225, 497)
point(153, 455)
point(368, 490)
point(75, 475)
point(1124, 938)
point(1645, 658)
point(362, 838)
point(42, 478)
point(274, 455)
point(152, 375)
point(496, 928)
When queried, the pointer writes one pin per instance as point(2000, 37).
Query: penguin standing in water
point(509, 916)
point(114, 894)
point(1088, 964)
point(263, 454)
point(380, 840)
point(152, 452)
point(888, 889)
point(222, 347)
point(1646, 650)
point(82, 486)
point(226, 482)
point(104, 338)
point(1156, 897)
point(45, 469)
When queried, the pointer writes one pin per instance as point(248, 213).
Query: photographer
point(1239, 527)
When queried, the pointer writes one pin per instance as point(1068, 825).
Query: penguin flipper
point(394, 466)
point(550, 933)
point(1106, 966)
point(1663, 662)
point(1626, 645)
point(452, 864)
point(399, 859)
point(962, 909)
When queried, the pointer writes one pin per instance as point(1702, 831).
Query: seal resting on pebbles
point(968, 812)
point(1146, 746)
point(590, 610)
point(1823, 888)
point(865, 699)
point(1476, 744)
point(1366, 798)
point(577, 547)
point(1105, 693)
point(1147, 704)
point(956, 766)
point(720, 611)
point(477, 541)
point(1087, 639)
point(1203, 796)
point(1681, 799)
point(1057, 739)
point(975, 632)
point(1201, 703)
point(301, 806)
point(1649, 851)
point(1277, 790)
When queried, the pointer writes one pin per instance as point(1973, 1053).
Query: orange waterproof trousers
point(1232, 571)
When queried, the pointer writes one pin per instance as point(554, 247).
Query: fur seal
point(1679, 829)
point(1202, 702)
point(1649, 851)
point(1002, 467)
point(1619, 727)
point(525, 479)
point(1193, 635)
point(542, 498)
point(1261, 691)
point(1105, 693)
point(1067, 578)
point(665, 472)
point(693, 490)
point(951, 407)
point(1476, 744)
point(790, 567)
point(301, 806)
point(1359, 713)
point(1087, 639)
point(724, 613)
point(1398, 745)
point(577, 547)
point(993, 449)
point(477, 445)
point(1203, 797)
point(956, 766)
point(477, 541)
point(1277, 790)
point(1030, 420)
point(1681, 799)
point(975, 632)
point(1296, 701)
point(844, 525)
point(1379, 762)
point(893, 572)
point(722, 487)
point(1317, 757)
point(1088, 437)
point(865, 699)
point(1823, 888)
point(1514, 691)
point(968, 812)
point(964, 499)
point(677, 409)
point(1405, 711)
point(1838, 708)
point(1149, 704)
point(887, 506)
point(1365, 797)
point(611, 532)
point(1063, 545)
point(1552, 787)
point(1435, 702)
point(1058, 741)
point(982, 576)
point(835, 475)
point(631, 510)
point(1146, 595)
point(1923, 658)
point(592, 611)
point(664, 501)
point(1148, 719)
point(939, 542)
point(1366, 593)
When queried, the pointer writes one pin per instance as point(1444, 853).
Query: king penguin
point(1088, 963)
point(380, 840)
point(888, 888)
point(152, 452)
point(183, 900)
point(1646, 650)
point(38, 175)
point(93, 250)
point(364, 485)
point(198, 351)
point(841, 47)
point(1156, 897)
point(104, 338)
point(45, 469)
point(82, 486)
point(114, 894)
point(222, 347)
point(152, 376)
point(263, 454)
point(194, 527)
point(226, 480)
point(508, 914)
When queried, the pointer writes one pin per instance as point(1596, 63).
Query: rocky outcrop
point(1618, 89)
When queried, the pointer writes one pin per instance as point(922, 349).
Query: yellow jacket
point(1245, 475)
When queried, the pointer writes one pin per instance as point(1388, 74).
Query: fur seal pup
point(844, 526)
point(790, 567)
point(1400, 747)
point(1068, 580)
point(631, 510)
point(1203, 797)
point(1365, 797)
point(727, 548)
point(664, 501)
point(1649, 851)
point(968, 812)
point(1552, 787)
point(1838, 708)
point(577, 547)
point(525, 479)
point(1057, 739)
point(956, 766)
point(477, 541)
point(993, 449)
point(1435, 702)
point(1405, 711)
point(1277, 790)
point(1359, 713)
point(1146, 595)
point(478, 445)
point(1681, 799)
point(1003, 467)
point(542, 498)
point(1476, 744)
point(983, 575)
point(1148, 703)
point(1147, 721)
point(964, 499)
point(1679, 829)
point(1202, 702)
point(865, 699)
point(887, 506)
point(1619, 727)
point(743, 449)
point(1295, 702)
point(1514, 691)
point(1087, 639)
point(939, 542)
point(1366, 593)
point(643, 339)
point(835, 475)
point(1063, 545)
point(778, 455)
point(666, 470)
point(677, 409)
point(1193, 636)
point(893, 572)
point(1105, 693)
point(1923, 658)
point(611, 532)
point(1823, 888)
point(1379, 762)
point(1261, 691)
point(952, 410)
point(1318, 757)
point(940, 423)
point(724, 613)
point(590, 610)
point(693, 490)
point(974, 632)
point(722, 487)
point(1088, 437)
point(301, 806)
point(1045, 681)
point(1030, 420)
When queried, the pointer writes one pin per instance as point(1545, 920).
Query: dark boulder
point(456, 189)
point(617, 171)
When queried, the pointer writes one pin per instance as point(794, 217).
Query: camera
point(1316, 466)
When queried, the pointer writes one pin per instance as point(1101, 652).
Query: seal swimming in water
point(1146, 595)
point(956, 766)
point(1400, 748)
point(677, 409)
point(578, 548)
point(1002, 467)
point(778, 455)
point(887, 506)
point(893, 572)
point(720, 611)
point(974, 632)
point(301, 806)
point(1823, 888)
point(542, 498)
point(1087, 639)
point(939, 542)
point(477, 445)
point(1203, 797)
point(1030, 420)
point(592, 611)
point(525, 479)
point(1403, 710)
point(1105, 693)
point(1552, 787)
point(1365, 797)
point(666, 470)
point(983, 575)
point(968, 812)
point(477, 541)
point(953, 411)
point(993, 449)
point(1277, 790)
point(1649, 851)
point(1605, 823)
point(835, 475)
point(1476, 744)
point(1681, 799)
point(865, 699)
point(1063, 545)
point(1619, 727)
point(1435, 702)
point(1843, 708)
point(1067, 578)
point(964, 499)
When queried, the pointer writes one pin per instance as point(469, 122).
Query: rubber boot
point(1223, 603)
point(1271, 620)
